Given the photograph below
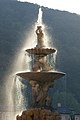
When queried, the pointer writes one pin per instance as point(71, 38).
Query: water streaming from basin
point(15, 88)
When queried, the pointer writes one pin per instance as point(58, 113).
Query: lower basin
point(41, 77)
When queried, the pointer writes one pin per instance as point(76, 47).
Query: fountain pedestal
point(38, 114)
point(41, 79)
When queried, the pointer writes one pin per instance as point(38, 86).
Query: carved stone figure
point(41, 79)
point(39, 92)
point(40, 36)
point(39, 114)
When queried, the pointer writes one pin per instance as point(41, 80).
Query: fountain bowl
point(41, 77)
point(41, 51)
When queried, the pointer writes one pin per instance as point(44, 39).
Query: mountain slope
point(64, 28)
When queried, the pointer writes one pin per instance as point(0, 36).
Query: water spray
point(21, 60)
point(39, 21)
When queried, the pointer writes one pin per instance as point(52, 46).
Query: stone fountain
point(41, 78)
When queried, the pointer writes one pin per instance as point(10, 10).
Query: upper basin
point(41, 51)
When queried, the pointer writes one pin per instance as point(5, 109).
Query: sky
point(72, 6)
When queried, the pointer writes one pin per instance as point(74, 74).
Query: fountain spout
point(41, 78)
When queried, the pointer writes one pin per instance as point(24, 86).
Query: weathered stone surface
point(38, 114)
point(41, 78)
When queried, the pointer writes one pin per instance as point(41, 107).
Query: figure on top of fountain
point(40, 37)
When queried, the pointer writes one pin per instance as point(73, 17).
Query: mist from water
point(14, 105)
point(21, 62)
point(15, 102)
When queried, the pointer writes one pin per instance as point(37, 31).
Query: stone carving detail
point(40, 36)
point(39, 92)
point(38, 114)
point(41, 79)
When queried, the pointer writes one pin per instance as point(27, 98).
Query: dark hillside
point(15, 18)
point(64, 27)
point(65, 30)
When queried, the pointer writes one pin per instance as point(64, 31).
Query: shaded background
point(16, 18)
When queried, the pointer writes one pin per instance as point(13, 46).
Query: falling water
point(21, 62)
point(14, 97)
point(51, 59)
point(19, 96)
point(54, 58)
point(47, 41)
point(13, 87)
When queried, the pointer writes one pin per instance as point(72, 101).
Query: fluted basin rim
point(41, 51)
point(41, 76)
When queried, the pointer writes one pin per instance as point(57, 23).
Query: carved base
point(38, 114)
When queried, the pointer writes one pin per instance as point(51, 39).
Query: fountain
point(41, 78)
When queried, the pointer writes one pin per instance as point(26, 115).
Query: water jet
point(41, 77)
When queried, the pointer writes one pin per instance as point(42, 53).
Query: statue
point(40, 36)
point(41, 79)
point(39, 92)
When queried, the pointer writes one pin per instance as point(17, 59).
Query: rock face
point(38, 114)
